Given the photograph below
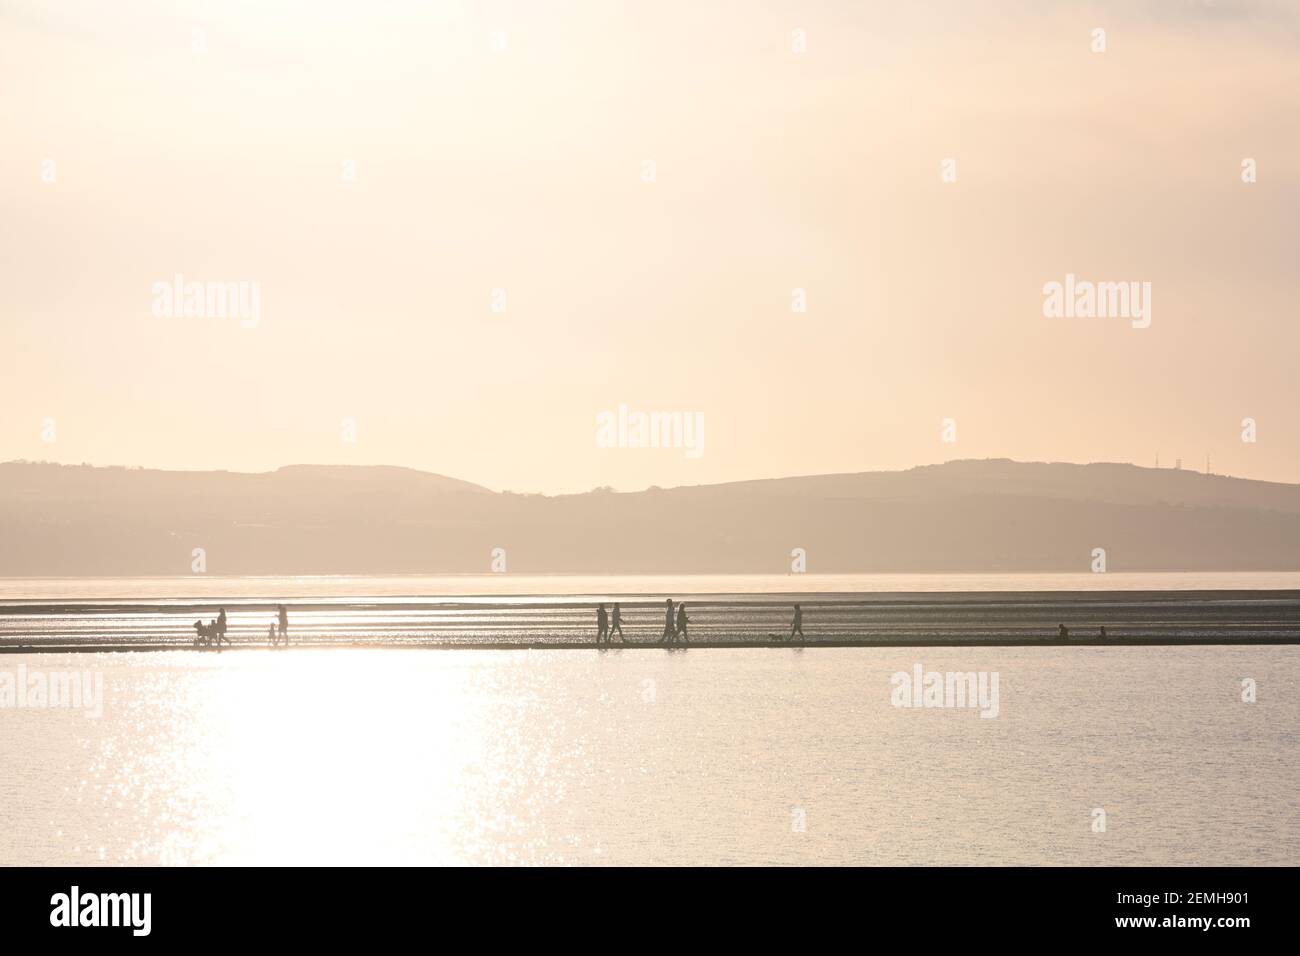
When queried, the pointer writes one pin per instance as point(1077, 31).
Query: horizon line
point(609, 489)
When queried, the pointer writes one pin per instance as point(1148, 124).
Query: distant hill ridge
point(969, 515)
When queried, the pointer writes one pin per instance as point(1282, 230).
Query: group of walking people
point(214, 633)
point(605, 627)
point(676, 625)
point(206, 635)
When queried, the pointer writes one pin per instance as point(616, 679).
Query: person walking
point(796, 626)
point(669, 626)
point(682, 621)
point(602, 625)
point(616, 624)
point(284, 625)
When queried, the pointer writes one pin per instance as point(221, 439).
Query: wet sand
point(920, 619)
point(693, 645)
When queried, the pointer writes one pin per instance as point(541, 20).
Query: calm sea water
point(217, 588)
point(703, 756)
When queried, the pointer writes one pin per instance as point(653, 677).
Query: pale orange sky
point(521, 168)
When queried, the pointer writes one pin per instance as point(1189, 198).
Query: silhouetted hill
point(994, 515)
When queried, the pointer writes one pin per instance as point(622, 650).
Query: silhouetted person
point(220, 625)
point(1064, 633)
point(602, 625)
point(682, 621)
point(1103, 631)
point(668, 624)
point(215, 632)
point(616, 624)
point(796, 626)
point(284, 625)
point(271, 636)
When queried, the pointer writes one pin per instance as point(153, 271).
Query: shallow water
point(702, 756)
point(209, 588)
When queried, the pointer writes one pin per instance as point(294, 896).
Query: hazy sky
point(380, 168)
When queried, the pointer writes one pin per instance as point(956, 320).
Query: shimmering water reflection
point(319, 756)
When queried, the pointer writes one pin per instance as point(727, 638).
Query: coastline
point(91, 648)
point(747, 620)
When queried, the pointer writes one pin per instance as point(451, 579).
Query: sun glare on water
point(325, 757)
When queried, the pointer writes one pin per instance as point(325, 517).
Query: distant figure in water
point(271, 635)
point(284, 625)
point(1103, 631)
point(214, 629)
point(1064, 633)
point(682, 621)
point(616, 625)
point(668, 625)
point(602, 625)
point(797, 624)
point(220, 625)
